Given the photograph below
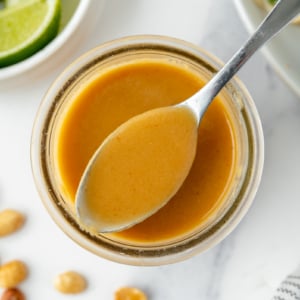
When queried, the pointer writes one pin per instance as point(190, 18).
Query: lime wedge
point(27, 27)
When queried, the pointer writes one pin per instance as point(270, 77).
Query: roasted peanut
point(70, 283)
point(10, 221)
point(12, 273)
point(12, 294)
point(129, 293)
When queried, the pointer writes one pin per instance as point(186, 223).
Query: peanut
point(10, 221)
point(12, 273)
point(12, 294)
point(70, 283)
point(129, 293)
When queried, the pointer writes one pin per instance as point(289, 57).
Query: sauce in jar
point(124, 91)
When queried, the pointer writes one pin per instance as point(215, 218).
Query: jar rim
point(111, 250)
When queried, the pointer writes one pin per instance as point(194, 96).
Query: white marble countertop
point(250, 263)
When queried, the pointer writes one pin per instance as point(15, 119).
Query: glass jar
point(249, 162)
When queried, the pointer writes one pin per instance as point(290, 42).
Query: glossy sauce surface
point(131, 89)
point(139, 167)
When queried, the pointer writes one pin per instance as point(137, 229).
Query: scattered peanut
point(12, 294)
point(10, 221)
point(129, 293)
point(12, 273)
point(70, 283)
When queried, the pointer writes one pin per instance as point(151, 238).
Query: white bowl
point(78, 17)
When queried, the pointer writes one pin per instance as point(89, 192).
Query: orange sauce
point(131, 89)
point(140, 167)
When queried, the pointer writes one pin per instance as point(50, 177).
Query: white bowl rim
point(37, 58)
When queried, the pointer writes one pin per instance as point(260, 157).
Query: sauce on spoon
point(138, 168)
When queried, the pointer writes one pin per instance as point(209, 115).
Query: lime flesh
point(14, 2)
point(27, 27)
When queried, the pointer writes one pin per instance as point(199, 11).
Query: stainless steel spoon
point(281, 15)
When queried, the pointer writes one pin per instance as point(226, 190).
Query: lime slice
point(27, 27)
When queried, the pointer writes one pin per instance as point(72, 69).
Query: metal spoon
point(281, 15)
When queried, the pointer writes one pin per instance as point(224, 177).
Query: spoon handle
point(283, 12)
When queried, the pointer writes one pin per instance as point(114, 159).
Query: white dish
point(75, 23)
point(283, 50)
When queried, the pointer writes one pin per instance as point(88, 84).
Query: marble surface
point(250, 263)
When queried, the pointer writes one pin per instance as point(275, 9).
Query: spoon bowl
point(116, 173)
